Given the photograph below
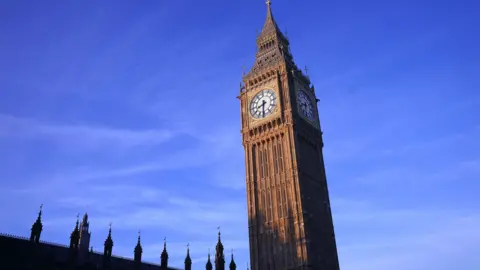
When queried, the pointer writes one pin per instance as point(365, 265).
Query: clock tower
point(290, 222)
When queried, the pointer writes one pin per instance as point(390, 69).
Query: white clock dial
point(263, 104)
point(305, 105)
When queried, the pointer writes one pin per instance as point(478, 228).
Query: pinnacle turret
point(107, 252)
point(75, 236)
point(37, 227)
point(219, 256)
point(233, 265)
point(164, 256)
point(209, 265)
point(188, 260)
point(137, 257)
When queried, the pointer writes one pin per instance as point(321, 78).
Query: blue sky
point(127, 110)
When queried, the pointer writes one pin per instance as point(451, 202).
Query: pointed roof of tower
point(270, 25)
point(109, 241)
point(219, 243)
point(233, 265)
point(164, 255)
point(188, 260)
point(164, 252)
point(272, 46)
point(209, 265)
point(39, 218)
point(138, 247)
point(38, 222)
point(75, 232)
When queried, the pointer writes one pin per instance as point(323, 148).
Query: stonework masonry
point(290, 222)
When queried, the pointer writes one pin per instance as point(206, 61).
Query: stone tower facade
point(290, 222)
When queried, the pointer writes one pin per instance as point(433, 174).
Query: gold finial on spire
point(268, 2)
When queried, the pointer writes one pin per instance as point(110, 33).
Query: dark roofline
point(149, 264)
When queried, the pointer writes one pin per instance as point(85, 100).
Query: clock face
point(263, 104)
point(305, 105)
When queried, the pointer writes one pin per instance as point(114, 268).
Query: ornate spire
point(164, 256)
point(219, 257)
point(233, 266)
point(188, 260)
point(39, 218)
point(209, 265)
point(75, 235)
point(272, 46)
point(37, 227)
point(109, 240)
point(270, 26)
point(137, 257)
point(138, 247)
point(107, 252)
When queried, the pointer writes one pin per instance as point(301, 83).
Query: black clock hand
point(263, 107)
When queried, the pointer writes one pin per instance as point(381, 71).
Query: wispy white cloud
point(81, 136)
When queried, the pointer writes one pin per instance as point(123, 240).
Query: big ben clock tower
point(290, 222)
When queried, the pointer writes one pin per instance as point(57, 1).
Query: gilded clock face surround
point(263, 104)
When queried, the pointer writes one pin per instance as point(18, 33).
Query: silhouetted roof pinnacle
point(233, 266)
point(138, 247)
point(164, 252)
point(75, 232)
point(219, 243)
point(85, 218)
point(39, 218)
point(109, 241)
point(38, 223)
point(188, 260)
point(209, 265)
point(37, 227)
point(164, 256)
